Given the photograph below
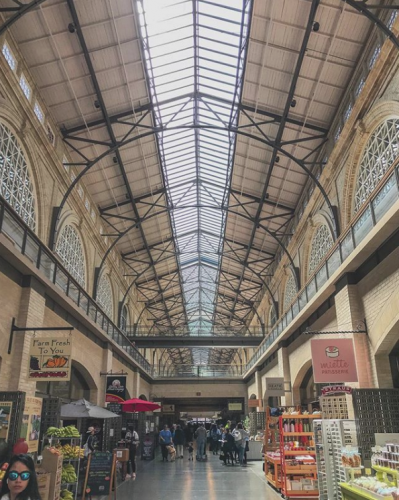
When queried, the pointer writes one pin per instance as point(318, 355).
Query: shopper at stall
point(178, 440)
point(200, 435)
point(165, 439)
point(20, 481)
point(92, 442)
point(240, 438)
point(227, 447)
point(215, 439)
point(132, 442)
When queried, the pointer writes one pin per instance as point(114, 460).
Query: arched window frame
point(70, 249)
point(272, 316)
point(290, 291)
point(382, 147)
point(105, 295)
point(125, 318)
point(321, 243)
point(16, 180)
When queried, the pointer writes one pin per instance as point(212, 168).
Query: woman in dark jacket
point(178, 440)
point(228, 447)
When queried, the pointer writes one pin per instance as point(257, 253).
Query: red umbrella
point(135, 404)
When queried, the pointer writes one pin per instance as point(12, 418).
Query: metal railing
point(200, 371)
point(143, 331)
point(28, 244)
point(371, 213)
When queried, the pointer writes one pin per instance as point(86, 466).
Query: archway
point(143, 397)
point(252, 410)
point(80, 386)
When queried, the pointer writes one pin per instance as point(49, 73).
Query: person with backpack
point(215, 436)
point(132, 442)
point(240, 440)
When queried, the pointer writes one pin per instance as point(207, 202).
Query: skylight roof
point(194, 51)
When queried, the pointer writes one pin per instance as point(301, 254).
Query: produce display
point(3, 469)
point(67, 495)
point(68, 474)
point(63, 432)
point(70, 452)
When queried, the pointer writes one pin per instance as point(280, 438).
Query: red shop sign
point(336, 389)
point(333, 361)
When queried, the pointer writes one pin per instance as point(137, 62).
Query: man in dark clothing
point(178, 440)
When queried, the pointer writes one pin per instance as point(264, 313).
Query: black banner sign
point(116, 389)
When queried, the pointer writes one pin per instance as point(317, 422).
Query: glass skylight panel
point(25, 87)
point(9, 56)
point(197, 162)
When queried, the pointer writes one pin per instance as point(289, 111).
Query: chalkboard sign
point(99, 474)
point(115, 408)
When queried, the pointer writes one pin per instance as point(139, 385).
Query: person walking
point(178, 439)
point(132, 442)
point(165, 439)
point(200, 434)
point(215, 437)
point(92, 442)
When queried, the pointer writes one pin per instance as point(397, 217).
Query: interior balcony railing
point(225, 331)
point(381, 200)
point(28, 244)
point(200, 371)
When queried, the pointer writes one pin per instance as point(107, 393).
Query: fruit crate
point(70, 462)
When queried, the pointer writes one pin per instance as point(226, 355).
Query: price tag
point(368, 472)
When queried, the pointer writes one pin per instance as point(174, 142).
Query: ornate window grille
point(381, 151)
point(25, 87)
point(69, 248)
point(321, 243)
point(9, 57)
point(124, 318)
point(272, 316)
point(290, 291)
point(15, 184)
point(104, 295)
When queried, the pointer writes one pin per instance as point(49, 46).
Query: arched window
point(380, 152)
point(125, 320)
point(15, 184)
point(321, 243)
point(272, 316)
point(69, 248)
point(290, 291)
point(104, 295)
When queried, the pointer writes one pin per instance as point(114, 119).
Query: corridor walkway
point(196, 481)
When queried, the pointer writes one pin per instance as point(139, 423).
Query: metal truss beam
point(364, 8)
point(18, 11)
point(159, 341)
point(115, 145)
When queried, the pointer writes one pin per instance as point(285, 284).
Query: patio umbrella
point(135, 404)
point(85, 409)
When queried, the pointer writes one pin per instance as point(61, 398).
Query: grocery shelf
point(304, 417)
point(297, 434)
point(298, 452)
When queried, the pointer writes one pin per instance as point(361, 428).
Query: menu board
point(99, 476)
point(115, 408)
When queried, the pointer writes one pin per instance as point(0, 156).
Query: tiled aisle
point(196, 481)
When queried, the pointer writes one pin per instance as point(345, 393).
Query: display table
point(255, 450)
point(352, 493)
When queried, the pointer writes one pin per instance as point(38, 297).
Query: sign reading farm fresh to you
point(333, 361)
point(50, 358)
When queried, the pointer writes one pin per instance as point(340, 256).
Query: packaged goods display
point(337, 455)
point(298, 456)
point(386, 456)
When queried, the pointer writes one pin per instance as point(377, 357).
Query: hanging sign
point(31, 420)
point(333, 360)
point(275, 386)
point(336, 389)
point(50, 358)
point(168, 408)
point(116, 389)
point(254, 403)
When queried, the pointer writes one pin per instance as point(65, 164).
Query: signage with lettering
point(5, 419)
point(235, 406)
point(336, 389)
point(115, 408)
point(116, 389)
point(30, 429)
point(275, 386)
point(99, 475)
point(50, 358)
point(168, 408)
point(333, 360)
point(254, 403)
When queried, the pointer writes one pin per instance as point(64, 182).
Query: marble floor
point(211, 480)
